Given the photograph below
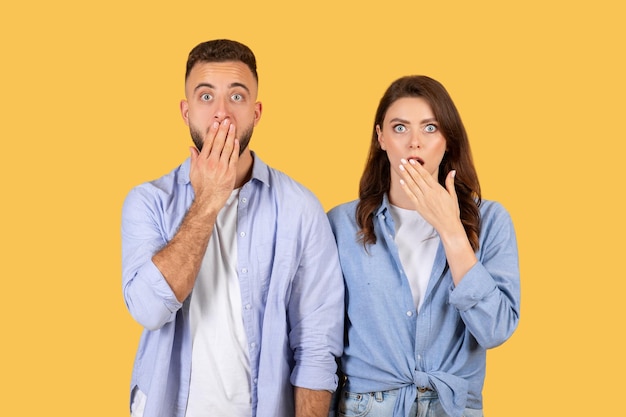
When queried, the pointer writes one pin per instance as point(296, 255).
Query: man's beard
point(244, 138)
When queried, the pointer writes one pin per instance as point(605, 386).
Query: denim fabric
point(390, 345)
point(381, 404)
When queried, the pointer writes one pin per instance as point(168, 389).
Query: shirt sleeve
point(147, 294)
point(316, 307)
point(488, 296)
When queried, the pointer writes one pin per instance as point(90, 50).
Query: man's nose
point(221, 110)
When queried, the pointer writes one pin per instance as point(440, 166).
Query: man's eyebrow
point(208, 85)
point(203, 85)
point(240, 85)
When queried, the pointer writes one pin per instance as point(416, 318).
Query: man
point(230, 266)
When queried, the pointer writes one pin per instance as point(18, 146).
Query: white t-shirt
point(220, 365)
point(417, 243)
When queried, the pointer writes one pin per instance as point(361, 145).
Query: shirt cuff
point(475, 286)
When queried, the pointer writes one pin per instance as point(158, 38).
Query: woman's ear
point(381, 140)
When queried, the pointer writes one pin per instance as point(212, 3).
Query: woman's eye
point(205, 97)
point(399, 128)
point(237, 97)
point(430, 128)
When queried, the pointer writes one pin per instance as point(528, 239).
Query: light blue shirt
point(291, 290)
point(390, 346)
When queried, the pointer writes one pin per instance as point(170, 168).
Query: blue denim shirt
point(443, 347)
point(291, 289)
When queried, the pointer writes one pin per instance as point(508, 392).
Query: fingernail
point(453, 173)
point(401, 167)
point(412, 162)
point(403, 161)
point(215, 125)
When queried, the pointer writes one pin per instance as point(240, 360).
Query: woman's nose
point(415, 142)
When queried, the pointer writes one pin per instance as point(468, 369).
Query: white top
point(417, 243)
point(220, 365)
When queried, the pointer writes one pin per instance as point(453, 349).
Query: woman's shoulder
point(492, 208)
point(494, 217)
point(344, 209)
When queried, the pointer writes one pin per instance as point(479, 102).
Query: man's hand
point(213, 170)
point(212, 174)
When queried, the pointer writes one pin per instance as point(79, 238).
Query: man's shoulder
point(178, 175)
point(168, 187)
point(285, 185)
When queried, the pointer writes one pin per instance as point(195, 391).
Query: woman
point(431, 270)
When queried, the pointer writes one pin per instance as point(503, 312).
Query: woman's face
point(410, 131)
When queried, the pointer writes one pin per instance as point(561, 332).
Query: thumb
point(450, 183)
point(194, 153)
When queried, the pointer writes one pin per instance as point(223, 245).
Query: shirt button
point(248, 307)
point(244, 270)
point(242, 234)
point(252, 345)
point(244, 200)
point(255, 380)
point(409, 313)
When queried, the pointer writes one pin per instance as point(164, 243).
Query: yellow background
point(90, 94)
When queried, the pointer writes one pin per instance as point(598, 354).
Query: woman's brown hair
point(376, 180)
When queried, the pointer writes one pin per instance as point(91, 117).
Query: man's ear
point(184, 111)
point(258, 109)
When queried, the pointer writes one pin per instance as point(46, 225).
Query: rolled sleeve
point(475, 287)
point(488, 296)
point(147, 294)
point(317, 309)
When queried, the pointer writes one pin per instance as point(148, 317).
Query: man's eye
point(237, 97)
point(205, 97)
point(430, 128)
point(399, 128)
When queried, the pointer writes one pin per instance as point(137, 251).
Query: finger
point(220, 139)
point(234, 157)
point(408, 182)
point(229, 144)
point(420, 173)
point(450, 184)
point(194, 154)
point(413, 176)
point(209, 138)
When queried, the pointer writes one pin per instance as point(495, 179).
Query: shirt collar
point(260, 171)
point(384, 206)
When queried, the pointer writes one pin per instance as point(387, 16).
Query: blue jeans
point(381, 404)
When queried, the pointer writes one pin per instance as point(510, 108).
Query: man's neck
point(244, 168)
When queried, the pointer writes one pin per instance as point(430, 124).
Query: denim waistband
point(421, 393)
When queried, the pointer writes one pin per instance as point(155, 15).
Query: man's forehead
point(229, 69)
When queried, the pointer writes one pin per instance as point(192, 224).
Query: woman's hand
point(439, 206)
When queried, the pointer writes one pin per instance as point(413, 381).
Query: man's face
point(216, 91)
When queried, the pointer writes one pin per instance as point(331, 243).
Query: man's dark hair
point(221, 50)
